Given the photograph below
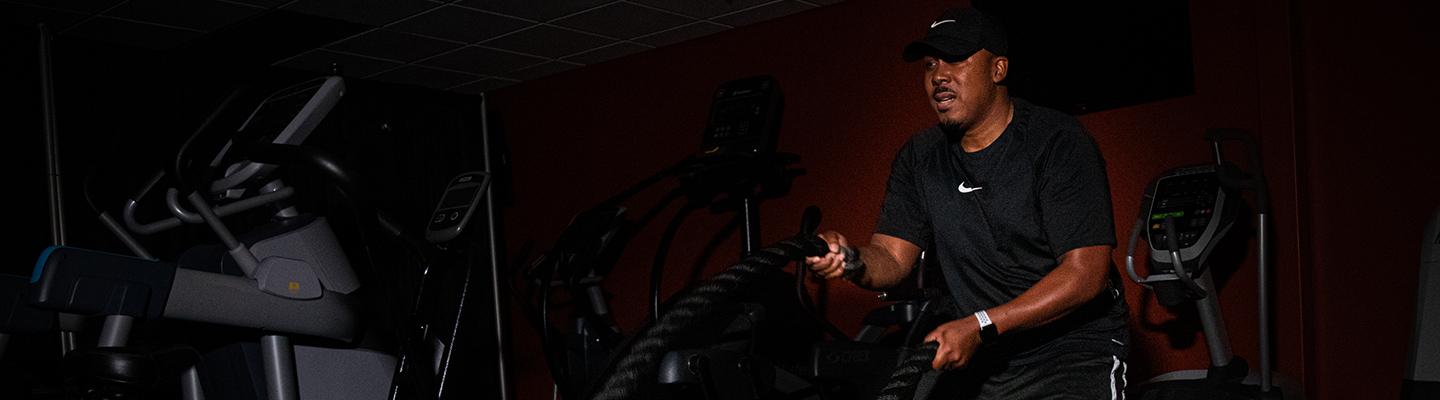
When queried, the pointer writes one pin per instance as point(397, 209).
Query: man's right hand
point(832, 264)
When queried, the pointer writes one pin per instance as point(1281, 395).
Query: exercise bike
point(1185, 215)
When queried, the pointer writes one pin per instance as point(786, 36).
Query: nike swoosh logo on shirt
point(964, 189)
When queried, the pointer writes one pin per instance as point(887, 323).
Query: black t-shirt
point(997, 220)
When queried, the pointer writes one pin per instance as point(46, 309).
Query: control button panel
point(457, 206)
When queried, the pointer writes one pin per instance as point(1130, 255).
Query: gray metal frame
point(311, 251)
point(501, 328)
point(299, 128)
point(1216, 335)
point(1424, 360)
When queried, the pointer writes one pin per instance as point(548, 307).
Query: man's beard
point(953, 130)
point(950, 126)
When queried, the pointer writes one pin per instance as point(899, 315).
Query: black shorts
point(1087, 376)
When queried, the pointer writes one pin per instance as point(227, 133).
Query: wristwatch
point(988, 331)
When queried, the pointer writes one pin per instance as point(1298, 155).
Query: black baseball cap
point(957, 34)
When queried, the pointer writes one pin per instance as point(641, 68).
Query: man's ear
point(1001, 69)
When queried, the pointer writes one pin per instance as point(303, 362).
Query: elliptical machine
point(1184, 215)
point(288, 278)
point(734, 336)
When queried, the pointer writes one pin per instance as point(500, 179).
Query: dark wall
point(123, 112)
point(106, 96)
point(1366, 80)
point(580, 136)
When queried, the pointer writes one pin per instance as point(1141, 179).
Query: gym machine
point(735, 169)
point(287, 278)
point(438, 359)
point(1185, 215)
point(1422, 374)
point(754, 344)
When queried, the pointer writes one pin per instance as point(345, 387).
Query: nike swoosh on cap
point(937, 23)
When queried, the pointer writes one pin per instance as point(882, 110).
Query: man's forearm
point(882, 271)
point(1081, 276)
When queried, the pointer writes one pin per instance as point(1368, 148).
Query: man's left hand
point(958, 341)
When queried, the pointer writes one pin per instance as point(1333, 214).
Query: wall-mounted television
point(1089, 56)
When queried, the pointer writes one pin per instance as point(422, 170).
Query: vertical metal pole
point(751, 217)
point(500, 327)
point(116, 331)
point(1264, 294)
point(52, 171)
point(190, 385)
point(279, 363)
point(1216, 336)
point(67, 336)
point(52, 145)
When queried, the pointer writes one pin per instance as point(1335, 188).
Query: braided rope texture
point(907, 375)
point(633, 375)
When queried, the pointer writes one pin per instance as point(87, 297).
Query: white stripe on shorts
point(1117, 368)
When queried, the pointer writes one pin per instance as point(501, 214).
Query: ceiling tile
point(769, 11)
point(540, 71)
point(701, 9)
point(27, 16)
point(261, 3)
point(681, 34)
point(272, 36)
point(393, 45)
point(193, 14)
point(607, 53)
point(426, 77)
point(549, 42)
point(623, 20)
point(538, 10)
point(482, 61)
point(84, 6)
point(483, 85)
point(350, 65)
point(371, 12)
point(459, 23)
point(132, 34)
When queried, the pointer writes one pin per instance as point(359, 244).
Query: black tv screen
point(1089, 56)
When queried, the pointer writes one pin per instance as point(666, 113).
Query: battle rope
point(634, 374)
point(907, 374)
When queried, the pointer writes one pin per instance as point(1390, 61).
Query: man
point(1013, 201)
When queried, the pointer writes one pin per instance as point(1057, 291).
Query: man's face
point(959, 91)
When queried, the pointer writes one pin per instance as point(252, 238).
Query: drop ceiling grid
point(551, 23)
point(591, 31)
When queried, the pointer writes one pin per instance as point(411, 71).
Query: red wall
point(1366, 107)
point(1280, 70)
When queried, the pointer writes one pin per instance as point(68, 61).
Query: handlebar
point(181, 215)
point(1172, 243)
point(1256, 181)
point(1173, 246)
